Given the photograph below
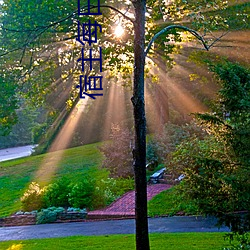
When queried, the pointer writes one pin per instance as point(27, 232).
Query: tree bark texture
point(139, 151)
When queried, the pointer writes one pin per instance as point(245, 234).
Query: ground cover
point(16, 175)
point(170, 241)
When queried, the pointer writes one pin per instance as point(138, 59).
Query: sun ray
point(51, 161)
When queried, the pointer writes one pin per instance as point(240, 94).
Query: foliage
point(39, 45)
point(81, 194)
point(8, 106)
point(205, 175)
point(152, 157)
point(48, 215)
point(92, 192)
point(108, 190)
point(118, 156)
point(57, 193)
point(32, 199)
point(216, 168)
point(65, 193)
point(166, 141)
point(22, 132)
point(243, 242)
point(103, 193)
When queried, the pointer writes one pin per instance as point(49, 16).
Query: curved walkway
point(124, 207)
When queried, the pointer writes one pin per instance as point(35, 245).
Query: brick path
point(124, 207)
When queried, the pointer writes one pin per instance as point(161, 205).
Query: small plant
point(33, 197)
point(48, 215)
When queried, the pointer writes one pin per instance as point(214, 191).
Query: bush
point(57, 193)
point(81, 194)
point(103, 194)
point(33, 198)
point(48, 215)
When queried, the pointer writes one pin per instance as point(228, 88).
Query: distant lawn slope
point(16, 175)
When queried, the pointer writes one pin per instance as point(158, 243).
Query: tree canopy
point(38, 38)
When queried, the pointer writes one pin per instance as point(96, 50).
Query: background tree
point(118, 155)
point(8, 105)
point(217, 168)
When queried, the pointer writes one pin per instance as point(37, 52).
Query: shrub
point(81, 194)
point(33, 197)
point(103, 194)
point(57, 193)
point(48, 215)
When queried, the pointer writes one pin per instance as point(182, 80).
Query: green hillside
point(15, 175)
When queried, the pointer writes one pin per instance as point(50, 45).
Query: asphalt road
point(156, 225)
point(14, 153)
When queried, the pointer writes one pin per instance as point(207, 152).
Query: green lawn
point(169, 202)
point(16, 175)
point(170, 241)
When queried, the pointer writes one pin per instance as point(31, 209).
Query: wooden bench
point(155, 177)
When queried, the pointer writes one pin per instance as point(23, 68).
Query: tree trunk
point(139, 152)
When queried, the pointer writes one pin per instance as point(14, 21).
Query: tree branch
point(193, 32)
point(43, 28)
point(118, 11)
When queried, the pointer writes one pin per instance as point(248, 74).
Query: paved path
point(156, 225)
point(14, 153)
point(125, 206)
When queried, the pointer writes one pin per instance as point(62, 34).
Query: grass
point(170, 241)
point(16, 175)
point(169, 203)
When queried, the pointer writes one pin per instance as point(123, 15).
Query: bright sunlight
point(119, 31)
